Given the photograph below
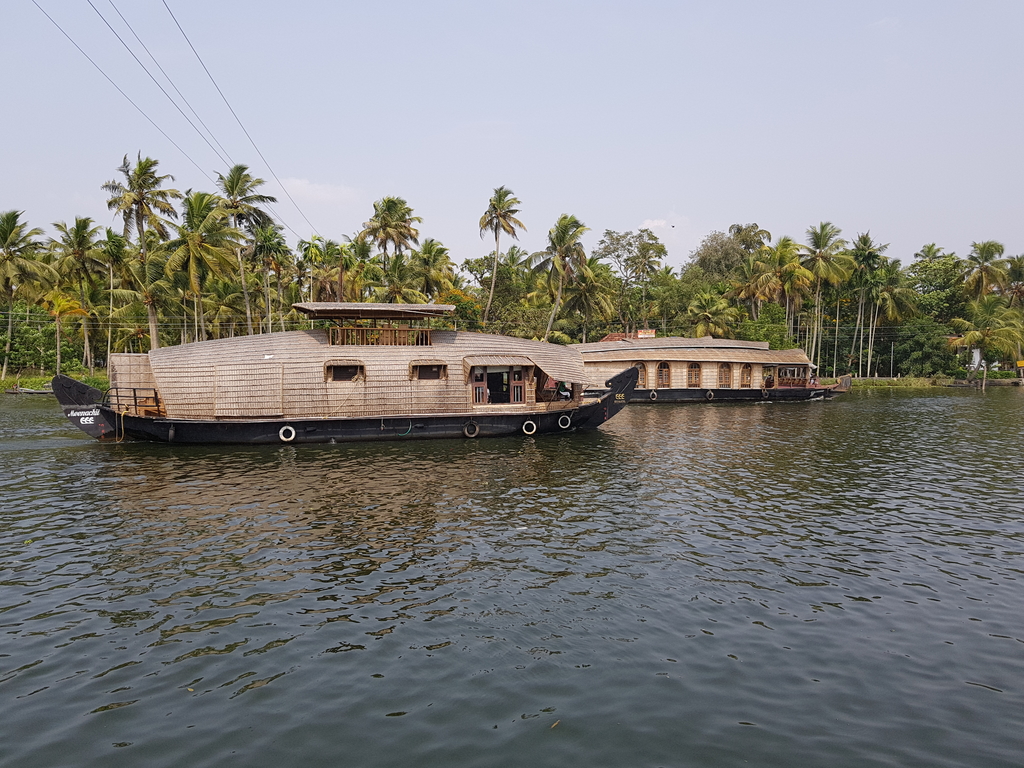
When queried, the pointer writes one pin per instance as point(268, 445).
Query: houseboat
point(375, 372)
point(676, 369)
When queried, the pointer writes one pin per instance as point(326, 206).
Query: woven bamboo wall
point(130, 370)
point(285, 374)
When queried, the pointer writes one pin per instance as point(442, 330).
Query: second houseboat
point(677, 369)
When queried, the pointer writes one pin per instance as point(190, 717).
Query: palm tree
point(392, 223)
point(993, 327)
point(204, 245)
point(894, 300)
point(114, 253)
point(868, 259)
point(753, 283)
point(79, 259)
point(711, 315)
point(398, 283)
point(18, 267)
point(564, 255)
point(786, 279)
point(499, 217)
point(143, 205)
point(1014, 290)
point(592, 294)
point(434, 267)
point(930, 252)
point(242, 201)
point(984, 267)
point(826, 261)
point(270, 250)
point(60, 306)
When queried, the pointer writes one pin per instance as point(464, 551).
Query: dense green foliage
point(197, 265)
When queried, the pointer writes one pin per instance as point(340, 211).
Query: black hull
point(729, 395)
point(83, 408)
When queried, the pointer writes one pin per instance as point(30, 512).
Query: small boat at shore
point(703, 370)
point(378, 372)
point(27, 391)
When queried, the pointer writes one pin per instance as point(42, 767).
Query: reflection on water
point(790, 584)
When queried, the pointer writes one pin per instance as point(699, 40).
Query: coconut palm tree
point(1014, 289)
point(78, 259)
point(868, 258)
point(984, 268)
point(434, 266)
point(930, 252)
point(499, 217)
point(824, 258)
point(894, 300)
point(592, 294)
point(204, 246)
point(60, 306)
point(270, 250)
point(142, 204)
point(562, 258)
point(242, 202)
point(18, 266)
point(399, 283)
point(786, 279)
point(114, 254)
point(392, 223)
point(711, 315)
point(993, 328)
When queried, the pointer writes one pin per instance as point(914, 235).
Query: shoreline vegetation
point(180, 267)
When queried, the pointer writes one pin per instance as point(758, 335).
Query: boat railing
point(788, 382)
point(391, 337)
point(136, 401)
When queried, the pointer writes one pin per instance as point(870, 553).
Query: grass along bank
point(99, 380)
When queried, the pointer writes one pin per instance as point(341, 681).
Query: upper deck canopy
point(334, 310)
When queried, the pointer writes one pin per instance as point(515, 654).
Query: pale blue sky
point(902, 118)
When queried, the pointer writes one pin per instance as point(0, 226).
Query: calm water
point(817, 584)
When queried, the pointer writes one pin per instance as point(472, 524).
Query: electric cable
point(157, 82)
point(237, 119)
point(119, 90)
point(170, 80)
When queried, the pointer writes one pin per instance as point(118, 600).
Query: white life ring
point(709, 395)
point(653, 395)
point(529, 427)
point(565, 421)
point(286, 433)
point(471, 429)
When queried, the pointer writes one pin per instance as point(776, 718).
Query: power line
point(157, 82)
point(169, 80)
point(109, 80)
point(240, 125)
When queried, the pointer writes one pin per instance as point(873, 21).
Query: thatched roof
point(681, 349)
point(298, 348)
point(334, 310)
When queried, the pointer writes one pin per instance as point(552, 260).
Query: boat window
point(767, 376)
point(518, 392)
point(746, 375)
point(344, 373)
point(664, 375)
point(693, 375)
point(725, 376)
point(478, 377)
point(641, 382)
point(430, 372)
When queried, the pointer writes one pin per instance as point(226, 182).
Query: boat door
point(497, 385)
